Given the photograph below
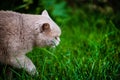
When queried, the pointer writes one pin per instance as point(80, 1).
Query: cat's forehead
point(52, 23)
point(45, 19)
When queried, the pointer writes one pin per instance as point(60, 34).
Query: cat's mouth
point(55, 43)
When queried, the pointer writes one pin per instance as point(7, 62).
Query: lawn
point(89, 50)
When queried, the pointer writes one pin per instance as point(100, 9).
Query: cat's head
point(48, 32)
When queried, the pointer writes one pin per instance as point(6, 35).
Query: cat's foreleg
point(24, 62)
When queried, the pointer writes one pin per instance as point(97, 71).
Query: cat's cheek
point(50, 43)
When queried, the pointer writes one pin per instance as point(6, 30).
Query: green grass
point(89, 50)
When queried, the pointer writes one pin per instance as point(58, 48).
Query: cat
point(20, 32)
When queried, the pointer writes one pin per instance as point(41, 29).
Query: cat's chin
point(53, 46)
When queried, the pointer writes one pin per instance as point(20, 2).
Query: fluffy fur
point(19, 33)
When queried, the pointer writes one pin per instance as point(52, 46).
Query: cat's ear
point(45, 13)
point(45, 27)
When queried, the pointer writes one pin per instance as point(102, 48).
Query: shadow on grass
point(9, 73)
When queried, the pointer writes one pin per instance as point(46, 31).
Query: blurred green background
point(90, 40)
point(63, 9)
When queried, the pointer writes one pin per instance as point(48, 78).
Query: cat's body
point(19, 33)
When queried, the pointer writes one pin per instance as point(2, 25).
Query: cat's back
point(8, 14)
point(9, 21)
point(9, 25)
point(7, 17)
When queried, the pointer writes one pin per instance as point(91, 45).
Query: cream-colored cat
point(19, 33)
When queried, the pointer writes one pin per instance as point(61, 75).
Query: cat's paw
point(33, 72)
